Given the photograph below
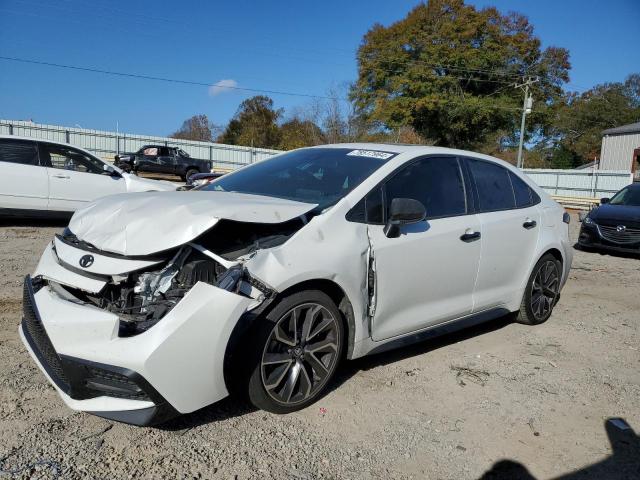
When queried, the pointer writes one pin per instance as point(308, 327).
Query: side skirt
point(370, 347)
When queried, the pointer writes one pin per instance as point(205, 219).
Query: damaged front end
point(141, 298)
point(151, 322)
point(152, 294)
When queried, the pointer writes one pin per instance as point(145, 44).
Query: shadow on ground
point(623, 463)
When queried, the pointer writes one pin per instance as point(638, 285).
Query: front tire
point(191, 171)
point(295, 351)
point(542, 291)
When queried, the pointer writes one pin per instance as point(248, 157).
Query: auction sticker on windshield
point(371, 154)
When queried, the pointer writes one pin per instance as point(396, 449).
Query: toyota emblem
point(620, 228)
point(86, 261)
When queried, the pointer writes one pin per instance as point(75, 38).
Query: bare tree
point(198, 128)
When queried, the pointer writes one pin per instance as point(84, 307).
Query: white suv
point(46, 178)
point(260, 282)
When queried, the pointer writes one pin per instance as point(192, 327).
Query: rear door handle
point(470, 236)
point(61, 176)
point(529, 224)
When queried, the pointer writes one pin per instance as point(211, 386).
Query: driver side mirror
point(604, 200)
point(403, 211)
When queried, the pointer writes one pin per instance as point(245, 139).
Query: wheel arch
point(336, 293)
point(555, 252)
point(243, 327)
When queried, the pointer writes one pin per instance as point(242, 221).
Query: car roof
point(416, 150)
point(31, 139)
point(45, 140)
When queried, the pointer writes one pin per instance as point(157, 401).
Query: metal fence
point(587, 183)
point(108, 144)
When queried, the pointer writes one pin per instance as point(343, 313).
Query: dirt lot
point(500, 401)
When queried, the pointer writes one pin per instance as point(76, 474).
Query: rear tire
point(542, 291)
point(293, 352)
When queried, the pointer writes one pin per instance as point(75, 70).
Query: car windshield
point(315, 175)
point(629, 196)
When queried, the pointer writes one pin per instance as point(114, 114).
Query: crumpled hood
point(146, 223)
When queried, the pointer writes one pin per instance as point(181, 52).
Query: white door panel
point(424, 277)
point(23, 186)
point(76, 177)
point(70, 190)
point(508, 247)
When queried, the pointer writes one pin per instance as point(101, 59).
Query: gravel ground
point(500, 401)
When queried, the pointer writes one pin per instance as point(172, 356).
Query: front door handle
point(61, 176)
point(470, 236)
point(529, 224)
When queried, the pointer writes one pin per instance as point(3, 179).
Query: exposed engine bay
point(140, 299)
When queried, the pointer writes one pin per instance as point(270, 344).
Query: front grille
point(625, 236)
point(39, 339)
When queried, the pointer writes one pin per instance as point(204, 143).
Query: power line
point(415, 62)
point(440, 101)
point(163, 79)
point(146, 17)
point(186, 82)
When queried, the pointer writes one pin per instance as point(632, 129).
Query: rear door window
point(493, 185)
point(21, 152)
point(525, 196)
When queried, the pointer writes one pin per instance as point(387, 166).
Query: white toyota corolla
point(154, 304)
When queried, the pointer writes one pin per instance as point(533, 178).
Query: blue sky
point(297, 46)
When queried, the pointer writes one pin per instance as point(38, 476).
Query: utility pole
point(526, 109)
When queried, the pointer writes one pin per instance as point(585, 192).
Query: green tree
point(298, 133)
point(255, 124)
point(448, 69)
point(578, 121)
point(198, 128)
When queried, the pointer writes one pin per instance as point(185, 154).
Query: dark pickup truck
point(162, 159)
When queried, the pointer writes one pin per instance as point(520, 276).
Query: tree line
point(446, 75)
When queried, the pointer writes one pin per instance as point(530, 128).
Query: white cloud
point(222, 86)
